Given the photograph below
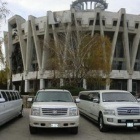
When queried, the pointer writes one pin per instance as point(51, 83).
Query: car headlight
point(35, 111)
point(109, 112)
point(73, 111)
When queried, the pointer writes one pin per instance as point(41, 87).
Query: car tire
point(74, 130)
point(138, 128)
point(33, 130)
point(102, 126)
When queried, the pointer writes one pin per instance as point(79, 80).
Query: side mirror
point(96, 100)
point(2, 100)
point(77, 100)
point(138, 99)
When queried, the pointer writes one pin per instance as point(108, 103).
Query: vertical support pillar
point(90, 5)
point(61, 82)
point(107, 84)
point(42, 84)
point(26, 85)
point(129, 85)
point(13, 87)
point(19, 89)
point(84, 84)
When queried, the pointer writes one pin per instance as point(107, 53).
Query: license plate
point(130, 124)
point(54, 125)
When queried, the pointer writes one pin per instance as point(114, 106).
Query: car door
point(2, 105)
point(83, 105)
point(4, 108)
point(94, 105)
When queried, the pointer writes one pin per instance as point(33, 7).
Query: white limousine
point(110, 108)
point(11, 105)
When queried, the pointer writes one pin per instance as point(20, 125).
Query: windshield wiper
point(59, 100)
point(108, 100)
point(122, 101)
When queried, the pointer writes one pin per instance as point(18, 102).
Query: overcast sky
point(39, 8)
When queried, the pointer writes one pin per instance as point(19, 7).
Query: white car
point(11, 105)
point(110, 108)
point(54, 109)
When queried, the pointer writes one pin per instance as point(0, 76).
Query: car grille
point(54, 111)
point(128, 111)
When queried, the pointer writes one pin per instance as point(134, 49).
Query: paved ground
point(17, 129)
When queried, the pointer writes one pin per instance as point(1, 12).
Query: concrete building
point(28, 60)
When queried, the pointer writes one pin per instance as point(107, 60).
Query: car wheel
point(102, 126)
point(138, 128)
point(74, 130)
point(33, 130)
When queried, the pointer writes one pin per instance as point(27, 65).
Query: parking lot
point(17, 129)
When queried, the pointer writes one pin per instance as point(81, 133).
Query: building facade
point(27, 59)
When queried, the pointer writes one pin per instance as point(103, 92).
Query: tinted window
point(12, 95)
point(4, 96)
point(94, 95)
point(9, 96)
point(84, 96)
point(118, 97)
point(89, 96)
point(15, 95)
point(53, 96)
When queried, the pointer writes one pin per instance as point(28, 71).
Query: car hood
point(110, 105)
point(54, 104)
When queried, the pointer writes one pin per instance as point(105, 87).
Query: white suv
point(54, 109)
point(110, 108)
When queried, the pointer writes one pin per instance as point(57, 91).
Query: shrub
point(74, 90)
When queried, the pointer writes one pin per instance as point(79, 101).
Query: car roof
point(59, 90)
point(101, 91)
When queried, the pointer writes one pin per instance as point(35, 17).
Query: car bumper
point(125, 121)
point(54, 122)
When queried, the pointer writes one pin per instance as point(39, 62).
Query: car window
point(15, 95)
point(53, 96)
point(12, 95)
point(9, 96)
point(89, 96)
point(94, 95)
point(4, 95)
point(84, 96)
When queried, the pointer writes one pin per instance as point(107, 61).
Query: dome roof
point(79, 4)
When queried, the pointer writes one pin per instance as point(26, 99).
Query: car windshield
point(118, 97)
point(53, 96)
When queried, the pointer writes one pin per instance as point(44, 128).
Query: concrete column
point(13, 87)
point(84, 84)
point(42, 84)
point(86, 5)
point(61, 82)
point(129, 85)
point(8, 84)
point(91, 5)
point(107, 84)
point(19, 89)
point(26, 85)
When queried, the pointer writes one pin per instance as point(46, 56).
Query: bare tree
point(3, 13)
point(3, 10)
point(3, 72)
point(76, 55)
